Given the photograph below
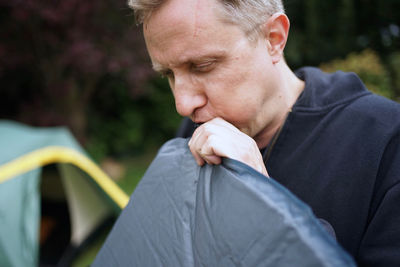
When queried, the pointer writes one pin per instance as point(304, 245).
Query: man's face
point(212, 67)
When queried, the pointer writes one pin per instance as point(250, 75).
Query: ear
point(276, 31)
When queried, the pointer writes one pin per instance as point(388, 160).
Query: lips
point(196, 120)
point(199, 119)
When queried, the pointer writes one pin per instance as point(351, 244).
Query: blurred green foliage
point(122, 125)
point(325, 30)
point(56, 55)
point(369, 68)
point(352, 35)
point(394, 63)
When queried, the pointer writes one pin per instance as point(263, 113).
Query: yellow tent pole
point(59, 154)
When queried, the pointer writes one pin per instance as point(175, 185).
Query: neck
point(291, 90)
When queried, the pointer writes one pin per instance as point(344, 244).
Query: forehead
point(186, 29)
point(177, 8)
point(179, 17)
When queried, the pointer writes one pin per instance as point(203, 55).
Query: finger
point(223, 123)
point(207, 151)
point(195, 144)
point(199, 160)
point(212, 159)
point(201, 145)
point(209, 141)
point(196, 136)
point(217, 139)
point(217, 146)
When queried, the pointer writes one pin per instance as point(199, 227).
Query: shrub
point(369, 68)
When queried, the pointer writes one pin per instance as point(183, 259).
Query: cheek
point(236, 90)
point(233, 87)
point(234, 104)
point(231, 79)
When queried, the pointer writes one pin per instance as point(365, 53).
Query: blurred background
point(84, 65)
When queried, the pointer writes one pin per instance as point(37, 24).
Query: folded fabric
point(225, 215)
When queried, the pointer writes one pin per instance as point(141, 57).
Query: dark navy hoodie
point(339, 152)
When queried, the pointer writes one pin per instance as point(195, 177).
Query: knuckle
point(207, 128)
point(212, 139)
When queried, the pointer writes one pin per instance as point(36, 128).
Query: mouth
point(196, 122)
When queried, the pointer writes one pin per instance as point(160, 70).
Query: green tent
point(90, 196)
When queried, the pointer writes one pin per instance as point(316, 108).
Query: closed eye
point(204, 66)
point(167, 73)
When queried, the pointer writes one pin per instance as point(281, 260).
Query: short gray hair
point(248, 14)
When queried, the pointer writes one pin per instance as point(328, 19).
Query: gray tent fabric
point(226, 215)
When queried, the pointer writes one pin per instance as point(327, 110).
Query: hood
point(324, 90)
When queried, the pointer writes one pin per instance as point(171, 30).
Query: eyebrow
point(158, 67)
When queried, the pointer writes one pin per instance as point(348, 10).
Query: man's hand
point(217, 138)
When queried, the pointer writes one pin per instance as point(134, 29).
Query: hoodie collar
point(324, 91)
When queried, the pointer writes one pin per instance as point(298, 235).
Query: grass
point(135, 169)
point(87, 256)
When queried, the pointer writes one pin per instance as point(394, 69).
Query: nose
point(189, 95)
